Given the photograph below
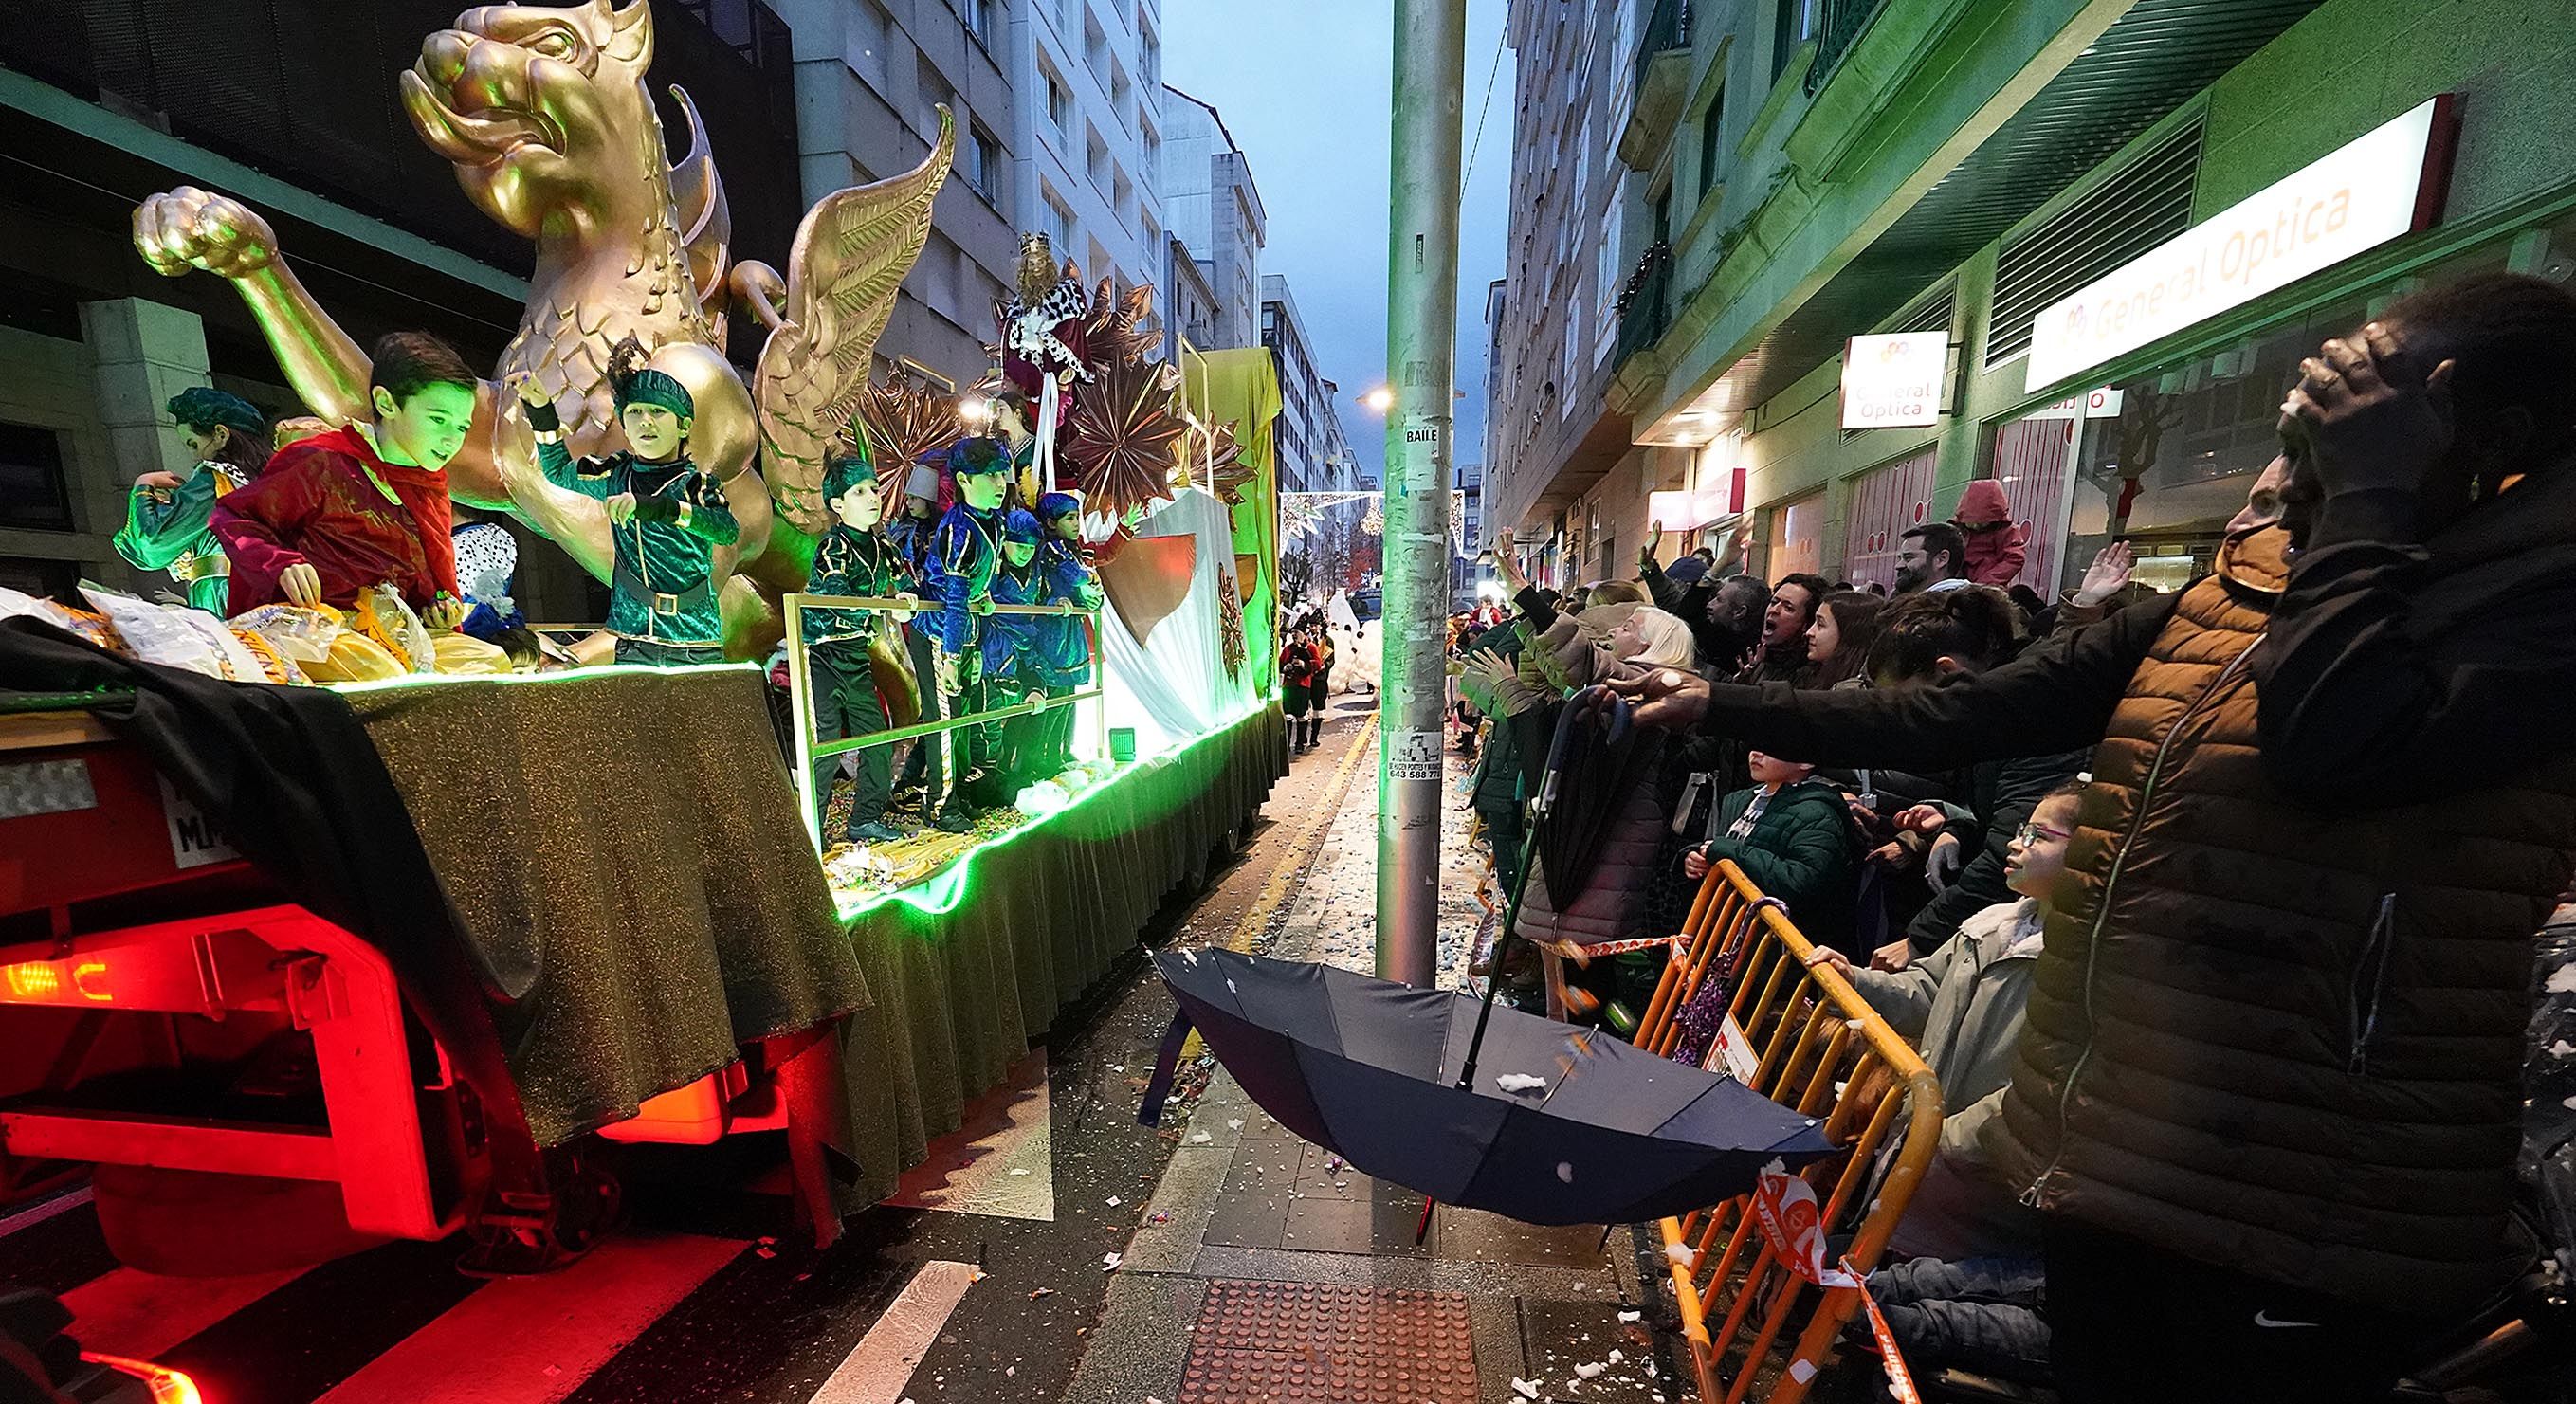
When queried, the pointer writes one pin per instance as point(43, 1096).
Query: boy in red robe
point(362, 505)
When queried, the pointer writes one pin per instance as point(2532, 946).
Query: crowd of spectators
point(2211, 910)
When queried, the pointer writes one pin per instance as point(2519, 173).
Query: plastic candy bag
point(176, 636)
point(96, 628)
point(298, 634)
point(382, 616)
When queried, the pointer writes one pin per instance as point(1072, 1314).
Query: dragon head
point(537, 106)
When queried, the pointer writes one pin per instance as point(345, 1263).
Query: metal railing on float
point(1738, 993)
point(800, 689)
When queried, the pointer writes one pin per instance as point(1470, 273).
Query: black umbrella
point(1369, 1069)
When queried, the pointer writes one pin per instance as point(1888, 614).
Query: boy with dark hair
point(852, 559)
point(1010, 662)
point(666, 516)
point(1062, 647)
point(964, 554)
point(362, 506)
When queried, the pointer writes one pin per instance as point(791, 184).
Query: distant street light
point(1379, 400)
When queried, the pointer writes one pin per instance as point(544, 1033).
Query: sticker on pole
point(1413, 755)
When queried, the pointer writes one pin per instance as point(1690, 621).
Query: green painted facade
point(2347, 68)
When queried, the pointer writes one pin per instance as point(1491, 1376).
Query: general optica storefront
point(2167, 439)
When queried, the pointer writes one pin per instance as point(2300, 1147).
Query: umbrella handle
point(1502, 943)
point(1167, 1065)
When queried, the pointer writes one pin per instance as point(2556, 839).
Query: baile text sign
point(2388, 182)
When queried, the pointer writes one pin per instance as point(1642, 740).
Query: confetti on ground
point(1202, 1138)
point(1589, 1372)
point(1109, 1261)
point(1519, 1082)
point(1526, 1389)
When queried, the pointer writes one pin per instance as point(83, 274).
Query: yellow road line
point(1291, 871)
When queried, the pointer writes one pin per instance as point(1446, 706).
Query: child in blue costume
point(666, 515)
point(1063, 645)
point(853, 558)
point(1010, 660)
point(965, 553)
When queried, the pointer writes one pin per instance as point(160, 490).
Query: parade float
point(292, 967)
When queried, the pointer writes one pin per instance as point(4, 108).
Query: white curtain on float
point(1174, 686)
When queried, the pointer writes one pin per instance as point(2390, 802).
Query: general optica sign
point(1894, 381)
point(2388, 182)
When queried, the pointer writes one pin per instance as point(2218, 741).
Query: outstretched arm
point(2058, 696)
point(190, 228)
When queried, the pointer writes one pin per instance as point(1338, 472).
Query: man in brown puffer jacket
point(2269, 1099)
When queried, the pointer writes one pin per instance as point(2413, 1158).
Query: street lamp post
point(1421, 327)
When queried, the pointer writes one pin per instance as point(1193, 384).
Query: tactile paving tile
point(1296, 1342)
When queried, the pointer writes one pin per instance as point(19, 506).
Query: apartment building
point(1302, 445)
point(1088, 133)
point(1216, 213)
point(870, 76)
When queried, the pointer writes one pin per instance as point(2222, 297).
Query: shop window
point(1798, 537)
point(33, 493)
point(1885, 502)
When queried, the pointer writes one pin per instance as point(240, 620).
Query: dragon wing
point(706, 218)
point(850, 256)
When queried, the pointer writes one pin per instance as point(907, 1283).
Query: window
point(1058, 223)
point(33, 493)
point(1149, 55)
point(1097, 153)
point(933, 85)
point(1059, 102)
point(983, 161)
point(1153, 143)
point(1712, 141)
point(978, 15)
point(1606, 281)
point(1795, 25)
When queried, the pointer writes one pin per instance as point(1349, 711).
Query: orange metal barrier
point(1806, 1039)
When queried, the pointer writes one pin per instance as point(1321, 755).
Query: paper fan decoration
point(1125, 433)
point(1113, 324)
point(904, 420)
point(1217, 464)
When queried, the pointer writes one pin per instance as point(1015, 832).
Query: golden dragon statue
point(546, 115)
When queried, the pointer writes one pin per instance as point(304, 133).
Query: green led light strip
point(945, 891)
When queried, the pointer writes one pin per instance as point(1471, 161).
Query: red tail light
point(74, 982)
point(168, 1386)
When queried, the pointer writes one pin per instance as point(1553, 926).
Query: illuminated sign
point(2385, 184)
point(1894, 381)
point(2093, 404)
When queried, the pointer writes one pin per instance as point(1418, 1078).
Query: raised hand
point(1666, 698)
point(191, 228)
point(2108, 575)
point(531, 394)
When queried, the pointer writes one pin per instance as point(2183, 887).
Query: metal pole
point(1421, 327)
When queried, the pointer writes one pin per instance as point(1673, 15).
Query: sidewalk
point(1268, 1271)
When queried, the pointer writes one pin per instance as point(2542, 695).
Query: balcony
point(1645, 303)
point(1837, 30)
point(1663, 80)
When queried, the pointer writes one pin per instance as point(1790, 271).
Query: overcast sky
point(1303, 87)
